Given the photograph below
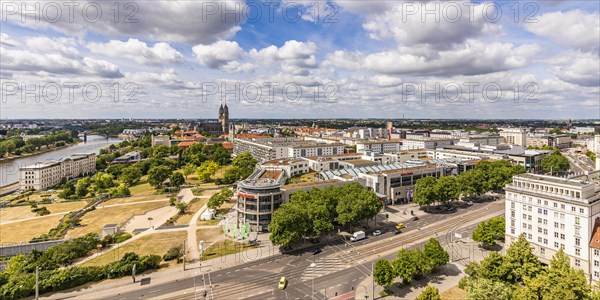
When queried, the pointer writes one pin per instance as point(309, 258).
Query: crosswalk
point(323, 267)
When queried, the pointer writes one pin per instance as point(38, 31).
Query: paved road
point(338, 269)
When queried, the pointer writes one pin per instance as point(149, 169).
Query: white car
point(376, 232)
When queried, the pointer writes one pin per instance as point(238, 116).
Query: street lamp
point(150, 220)
point(313, 265)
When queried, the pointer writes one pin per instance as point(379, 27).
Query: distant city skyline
point(349, 59)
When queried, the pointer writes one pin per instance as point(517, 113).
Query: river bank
point(38, 152)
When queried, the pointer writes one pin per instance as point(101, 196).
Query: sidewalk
point(107, 288)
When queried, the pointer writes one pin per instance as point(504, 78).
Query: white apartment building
point(291, 166)
point(43, 175)
point(378, 146)
point(410, 144)
point(514, 136)
point(315, 150)
point(552, 213)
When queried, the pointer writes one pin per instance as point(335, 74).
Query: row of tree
point(411, 264)
point(486, 176)
point(90, 186)
point(520, 275)
point(315, 213)
point(16, 145)
point(18, 279)
point(218, 199)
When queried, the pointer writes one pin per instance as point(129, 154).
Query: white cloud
point(450, 22)
point(581, 68)
point(222, 55)
point(573, 28)
point(138, 51)
point(56, 56)
point(296, 58)
point(192, 22)
point(6, 40)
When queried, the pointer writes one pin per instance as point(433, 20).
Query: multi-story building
point(265, 149)
point(43, 175)
point(291, 166)
point(426, 143)
point(553, 213)
point(379, 146)
point(514, 136)
point(559, 141)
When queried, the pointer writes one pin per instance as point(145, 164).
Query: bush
point(40, 211)
point(121, 237)
point(173, 253)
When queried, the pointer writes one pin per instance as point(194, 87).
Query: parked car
point(377, 233)
point(415, 218)
point(316, 251)
point(400, 226)
point(396, 231)
point(469, 203)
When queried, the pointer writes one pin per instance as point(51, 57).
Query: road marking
point(228, 272)
point(155, 291)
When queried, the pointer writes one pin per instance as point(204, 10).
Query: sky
point(300, 59)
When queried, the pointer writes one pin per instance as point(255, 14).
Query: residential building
point(43, 175)
point(515, 136)
point(555, 212)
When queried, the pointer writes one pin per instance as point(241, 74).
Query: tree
point(447, 189)
point(435, 254)
point(177, 179)
point(246, 163)
point(181, 208)
point(483, 288)
point(384, 273)
point(429, 293)
point(404, 266)
point(471, 184)
point(130, 175)
point(483, 235)
point(206, 170)
point(67, 191)
point(425, 191)
point(521, 261)
point(555, 163)
point(215, 201)
point(188, 169)
point(160, 151)
point(158, 174)
point(103, 181)
point(289, 223)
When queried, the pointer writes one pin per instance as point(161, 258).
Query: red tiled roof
point(227, 145)
point(186, 144)
point(595, 241)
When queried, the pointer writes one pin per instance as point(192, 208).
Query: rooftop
point(313, 183)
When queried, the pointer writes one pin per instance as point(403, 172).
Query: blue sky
point(311, 59)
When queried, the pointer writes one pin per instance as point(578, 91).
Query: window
point(524, 216)
point(562, 246)
point(542, 251)
point(562, 226)
point(596, 274)
point(555, 244)
point(572, 208)
point(539, 210)
point(512, 231)
point(529, 236)
point(596, 263)
point(539, 239)
point(545, 231)
point(596, 252)
point(562, 206)
point(581, 210)
point(539, 201)
point(577, 251)
point(529, 217)
point(524, 206)
point(529, 208)
point(545, 202)
point(540, 229)
point(512, 213)
point(555, 205)
point(529, 226)
point(562, 236)
point(556, 234)
point(555, 214)
point(524, 225)
point(577, 242)
point(545, 241)
point(540, 220)
point(555, 224)
point(576, 230)
point(577, 222)
point(545, 222)
point(577, 263)
point(545, 212)
point(512, 205)
point(562, 216)
point(512, 223)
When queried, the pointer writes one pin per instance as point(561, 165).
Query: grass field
point(26, 230)
point(193, 207)
point(142, 188)
point(454, 293)
point(134, 199)
point(157, 243)
point(22, 212)
point(225, 247)
point(94, 220)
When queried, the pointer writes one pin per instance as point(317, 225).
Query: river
point(9, 170)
